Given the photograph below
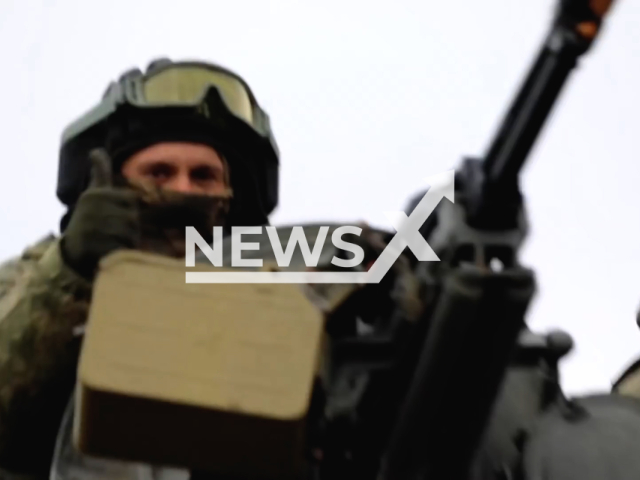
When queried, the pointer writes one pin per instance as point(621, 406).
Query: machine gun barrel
point(574, 29)
point(525, 119)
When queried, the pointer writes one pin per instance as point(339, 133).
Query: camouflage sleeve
point(42, 305)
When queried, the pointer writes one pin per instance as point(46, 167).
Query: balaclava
point(165, 214)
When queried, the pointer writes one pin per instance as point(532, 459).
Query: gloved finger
point(101, 169)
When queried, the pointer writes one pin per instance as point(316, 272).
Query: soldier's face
point(179, 166)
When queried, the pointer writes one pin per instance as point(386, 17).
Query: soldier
point(184, 144)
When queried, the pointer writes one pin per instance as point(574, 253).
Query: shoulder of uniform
point(13, 267)
point(33, 251)
point(36, 250)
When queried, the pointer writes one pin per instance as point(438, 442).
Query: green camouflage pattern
point(43, 306)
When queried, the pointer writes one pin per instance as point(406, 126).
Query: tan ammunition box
point(205, 376)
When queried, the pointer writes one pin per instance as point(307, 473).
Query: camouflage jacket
point(43, 304)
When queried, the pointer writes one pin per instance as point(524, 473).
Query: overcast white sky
point(366, 99)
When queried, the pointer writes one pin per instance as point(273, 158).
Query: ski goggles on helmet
point(190, 84)
point(184, 85)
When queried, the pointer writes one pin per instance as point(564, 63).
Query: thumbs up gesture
point(105, 219)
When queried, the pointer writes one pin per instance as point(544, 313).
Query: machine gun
point(401, 393)
point(478, 294)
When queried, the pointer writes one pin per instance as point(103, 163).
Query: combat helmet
point(186, 100)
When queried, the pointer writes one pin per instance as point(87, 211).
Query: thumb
point(101, 169)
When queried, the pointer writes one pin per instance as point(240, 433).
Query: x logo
point(408, 227)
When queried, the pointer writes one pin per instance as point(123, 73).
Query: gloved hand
point(105, 219)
